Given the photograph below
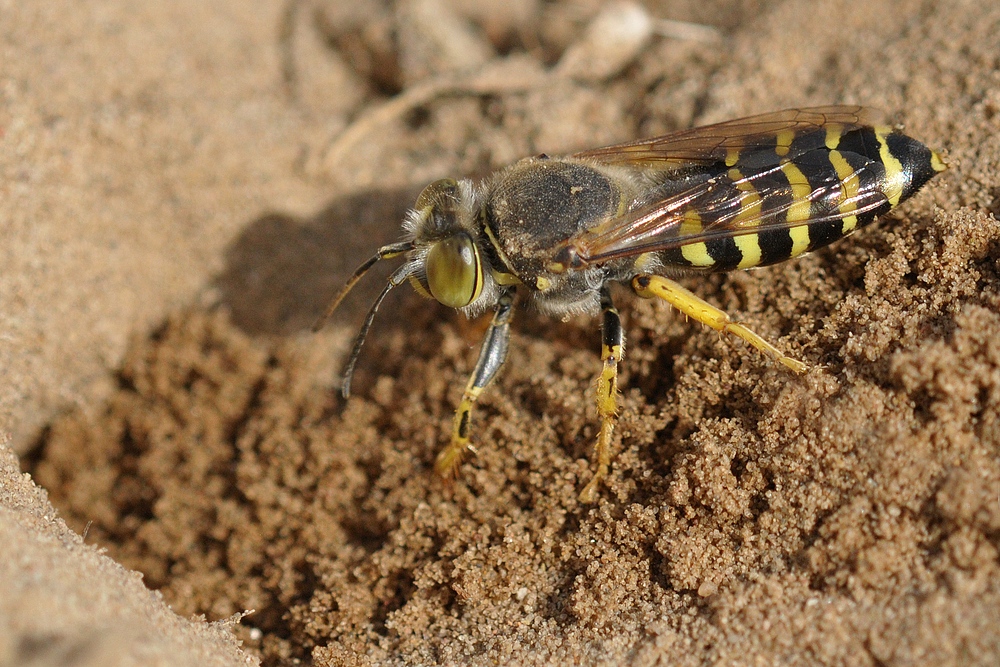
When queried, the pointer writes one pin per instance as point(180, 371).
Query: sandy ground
point(182, 188)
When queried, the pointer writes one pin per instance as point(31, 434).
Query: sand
point(183, 188)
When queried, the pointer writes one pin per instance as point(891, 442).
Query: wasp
point(560, 231)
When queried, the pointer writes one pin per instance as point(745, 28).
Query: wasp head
point(444, 225)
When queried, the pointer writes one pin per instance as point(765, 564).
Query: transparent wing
point(792, 129)
point(720, 206)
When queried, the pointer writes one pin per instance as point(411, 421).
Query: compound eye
point(437, 192)
point(454, 271)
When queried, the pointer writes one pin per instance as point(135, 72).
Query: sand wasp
point(734, 195)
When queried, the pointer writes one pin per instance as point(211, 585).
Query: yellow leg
point(612, 348)
point(451, 456)
point(491, 358)
point(648, 287)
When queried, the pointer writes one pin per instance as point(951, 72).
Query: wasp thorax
point(454, 271)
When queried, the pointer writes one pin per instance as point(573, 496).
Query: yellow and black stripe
point(775, 202)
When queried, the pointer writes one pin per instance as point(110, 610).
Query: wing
point(787, 132)
point(722, 207)
point(757, 174)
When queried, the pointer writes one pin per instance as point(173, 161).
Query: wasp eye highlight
point(454, 272)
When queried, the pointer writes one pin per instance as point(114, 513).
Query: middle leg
point(612, 350)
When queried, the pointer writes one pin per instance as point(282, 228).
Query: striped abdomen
point(771, 204)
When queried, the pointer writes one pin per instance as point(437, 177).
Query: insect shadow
point(281, 270)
